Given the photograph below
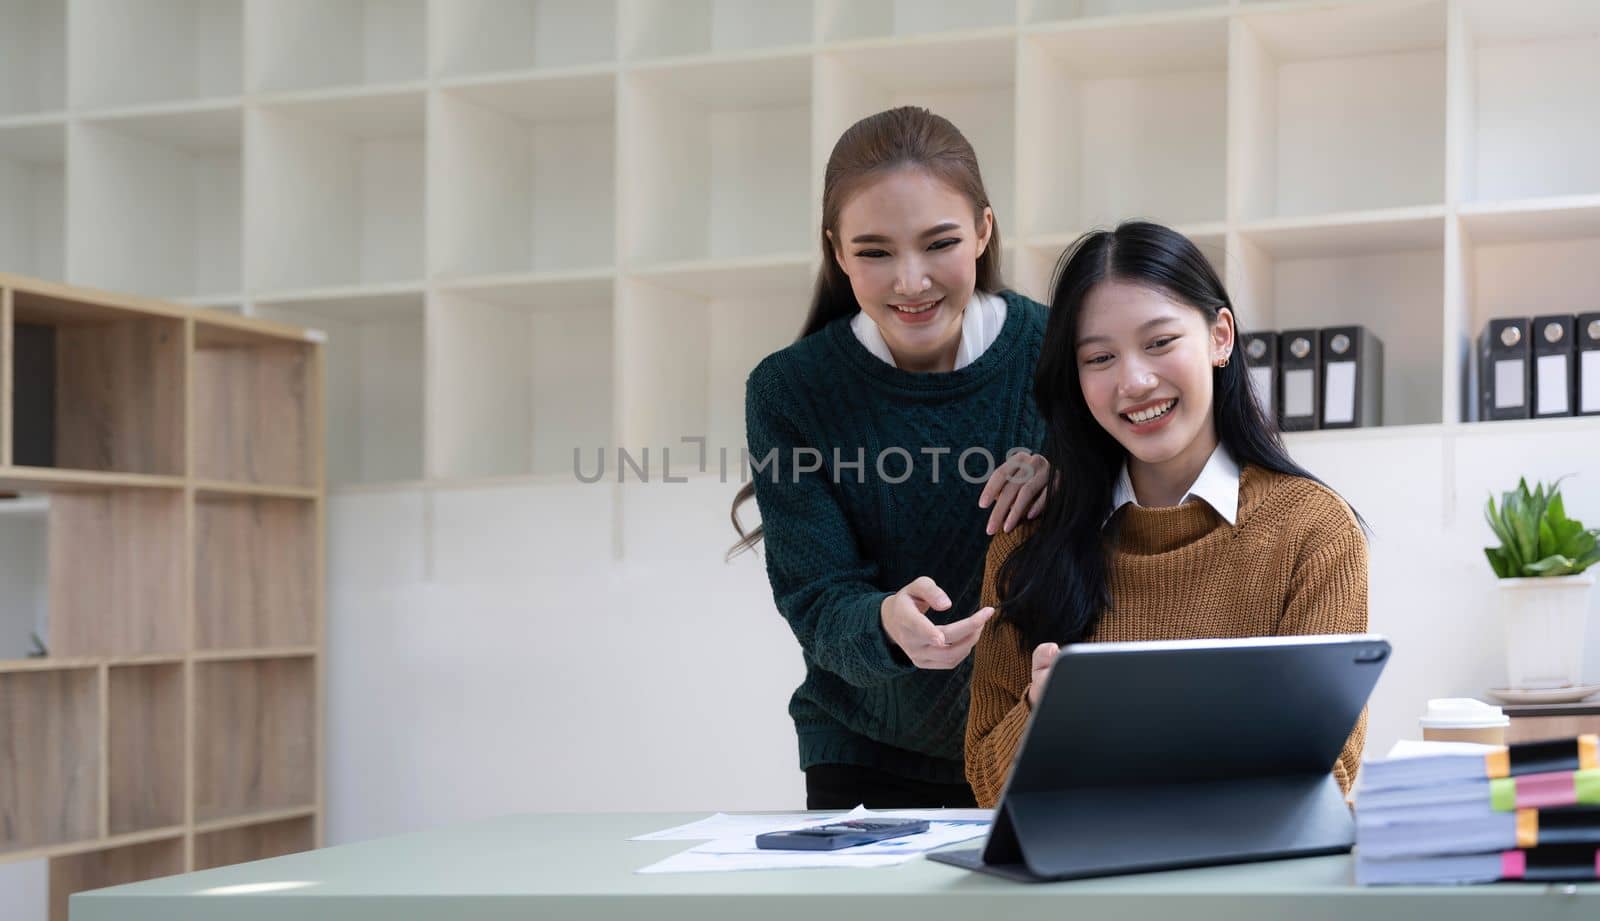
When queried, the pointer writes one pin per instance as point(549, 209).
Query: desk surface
point(582, 866)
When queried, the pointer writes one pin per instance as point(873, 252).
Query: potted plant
point(1540, 564)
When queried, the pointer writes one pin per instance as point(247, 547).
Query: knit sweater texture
point(841, 539)
point(1294, 563)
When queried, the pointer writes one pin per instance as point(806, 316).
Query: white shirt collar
point(1217, 486)
point(980, 327)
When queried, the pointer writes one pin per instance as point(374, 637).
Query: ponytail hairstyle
point(905, 137)
point(1055, 586)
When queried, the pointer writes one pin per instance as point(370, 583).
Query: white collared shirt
point(980, 327)
point(1217, 486)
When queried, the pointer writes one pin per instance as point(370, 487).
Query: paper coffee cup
point(1462, 719)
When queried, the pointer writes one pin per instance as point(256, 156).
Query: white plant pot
point(1545, 621)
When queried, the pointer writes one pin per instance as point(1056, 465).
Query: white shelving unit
point(487, 36)
point(336, 189)
point(33, 56)
point(1522, 69)
point(689, 336)
point(714, 160)
point(691, 28)
point(523, 375)
point(978, 95)
point(521, 176)
point(33, 184)
point(845, 20)
point(310, 44)
point(154, 202)
point(533, 225)
point(1130, 120)
point(374, 380)
point(120, 53)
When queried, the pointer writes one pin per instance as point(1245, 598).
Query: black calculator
point(840, 834)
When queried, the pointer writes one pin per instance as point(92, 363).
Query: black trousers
point(845, 786)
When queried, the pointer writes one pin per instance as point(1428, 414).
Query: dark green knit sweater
point(841, 539)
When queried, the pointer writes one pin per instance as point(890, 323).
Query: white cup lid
point(1463, 713)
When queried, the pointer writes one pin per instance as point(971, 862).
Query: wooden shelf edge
point(216, 488)
point(251, 655)
point(87, 295)
point(75, 663)
point(255, 818)
point(51, 664)
point(109, 842)
point(59, 478)
point(236, 329)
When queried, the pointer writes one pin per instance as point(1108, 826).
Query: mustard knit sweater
point(1295, 562)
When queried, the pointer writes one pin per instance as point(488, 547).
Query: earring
point(1223, 363)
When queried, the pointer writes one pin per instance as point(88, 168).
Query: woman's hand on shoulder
point(904, 616)
point(1016, 488)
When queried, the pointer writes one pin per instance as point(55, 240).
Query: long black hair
point(1055, 585)
point(907, 136)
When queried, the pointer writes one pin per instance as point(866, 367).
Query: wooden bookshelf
point(168, 463)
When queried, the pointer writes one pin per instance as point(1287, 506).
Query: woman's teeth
point(922, 309)
point(1151, 414)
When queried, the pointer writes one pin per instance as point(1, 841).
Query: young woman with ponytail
point(877, 442)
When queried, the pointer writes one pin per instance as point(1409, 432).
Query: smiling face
point(1145, 363)
point(910, 244)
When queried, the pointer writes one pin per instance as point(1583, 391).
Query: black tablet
point(1169, 754)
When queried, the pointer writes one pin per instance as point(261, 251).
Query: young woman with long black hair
point(877, 441)
point(1183, 516)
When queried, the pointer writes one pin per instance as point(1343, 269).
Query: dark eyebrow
point(1168, 318)
point(934, 231)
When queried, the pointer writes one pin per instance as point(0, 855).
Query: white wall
point(486, 655)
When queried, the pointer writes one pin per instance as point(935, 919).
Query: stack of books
point(1455, 812)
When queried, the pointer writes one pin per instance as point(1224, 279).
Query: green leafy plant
point(1536, 536)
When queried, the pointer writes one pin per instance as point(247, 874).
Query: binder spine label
point(1508, 392)
point(1590, 373)
point(1339, 393)
point(1552, 371)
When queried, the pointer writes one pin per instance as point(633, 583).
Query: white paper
point(1508, 384)
point(1589, 370)
point(1552, 388)
point(738, 851)
point(1298, 397)
point(722, 825)
point(938, 815)
point(1261, 383)
point(1419, 748)
point(1339, 393)
point(938, 835)
point(691, 862)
